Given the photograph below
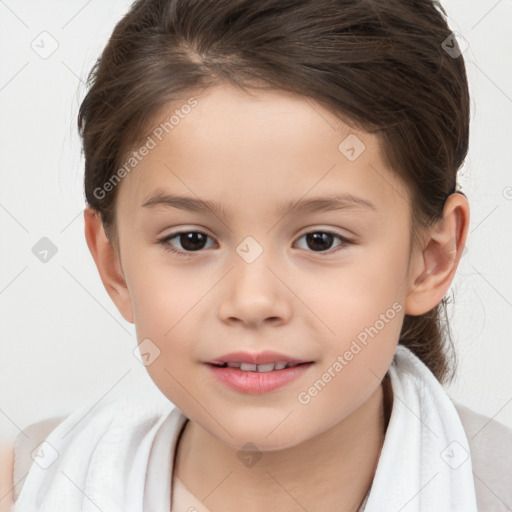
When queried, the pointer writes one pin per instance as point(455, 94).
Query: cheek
point(359, 313)
point(166, 303)
point(341, 386)
point(164, 297)
point(342, 300)
point(364, 315)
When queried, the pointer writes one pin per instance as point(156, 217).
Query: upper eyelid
point(205, 232)
point(174, 234)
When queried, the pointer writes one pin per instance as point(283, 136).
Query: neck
point(332, 471)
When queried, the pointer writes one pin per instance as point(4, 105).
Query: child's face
point(306, 297)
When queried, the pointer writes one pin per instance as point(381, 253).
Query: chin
point(258, 435)
point(258, 444)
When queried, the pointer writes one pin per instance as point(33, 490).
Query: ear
point(433, 269)
point(108, 263)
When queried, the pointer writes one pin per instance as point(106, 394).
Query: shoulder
point(16, 459)
point(6, 471)
point(88, 438)
point(490, 444)
point(24, 445)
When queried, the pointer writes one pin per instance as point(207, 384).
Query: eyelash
point(186, 254)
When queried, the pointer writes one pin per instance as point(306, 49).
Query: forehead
point(258, 147)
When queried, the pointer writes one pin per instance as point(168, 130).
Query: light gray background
point(63, 342)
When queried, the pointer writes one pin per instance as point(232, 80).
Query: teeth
point(266, 367)
point(248, 367)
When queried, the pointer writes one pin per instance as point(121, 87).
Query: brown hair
point(379, 65)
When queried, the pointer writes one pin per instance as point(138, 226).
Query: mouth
point(262, 368)
point(257, 379)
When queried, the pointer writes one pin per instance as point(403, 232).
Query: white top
point(119, 455)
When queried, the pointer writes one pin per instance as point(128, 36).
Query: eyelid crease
point(168, 247)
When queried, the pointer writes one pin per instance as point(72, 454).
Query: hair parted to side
point(379, 65)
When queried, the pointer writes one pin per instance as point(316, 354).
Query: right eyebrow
point(162, 198)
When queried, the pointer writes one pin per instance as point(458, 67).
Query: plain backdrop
point(63, 342)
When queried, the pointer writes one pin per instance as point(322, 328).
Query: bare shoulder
point(6, 475)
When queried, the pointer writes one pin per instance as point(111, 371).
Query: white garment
point(425, 463)
point(118, 456)
point(103, 457)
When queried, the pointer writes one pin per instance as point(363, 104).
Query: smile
point(248, 367)
point(256, 379)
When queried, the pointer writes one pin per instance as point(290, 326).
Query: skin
point(250, 152)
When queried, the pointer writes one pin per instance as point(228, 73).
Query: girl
point(272, 201)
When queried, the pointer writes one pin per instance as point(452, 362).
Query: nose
point(254, 294)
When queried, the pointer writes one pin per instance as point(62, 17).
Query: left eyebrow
point(315, 204)
point(328, 203)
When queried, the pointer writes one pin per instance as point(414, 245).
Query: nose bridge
point(253, 280)
point(254, 293)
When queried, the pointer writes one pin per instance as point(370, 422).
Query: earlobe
point(108, 263)
point(435, 267)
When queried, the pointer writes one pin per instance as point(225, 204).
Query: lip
point(257, 383)
point(265, 357)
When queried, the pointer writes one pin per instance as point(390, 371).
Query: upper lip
point(259, 358)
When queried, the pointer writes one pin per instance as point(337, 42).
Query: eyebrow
point(315, 204)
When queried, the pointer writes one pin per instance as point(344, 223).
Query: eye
point(194, 241)
point(321, 241)
point(191, 241)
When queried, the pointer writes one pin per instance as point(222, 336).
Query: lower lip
point(257, 383)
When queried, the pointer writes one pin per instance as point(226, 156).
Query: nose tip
point(252, 294)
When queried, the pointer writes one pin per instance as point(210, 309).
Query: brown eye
point(321, 241)
point(190, 241)
point(195, 241)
